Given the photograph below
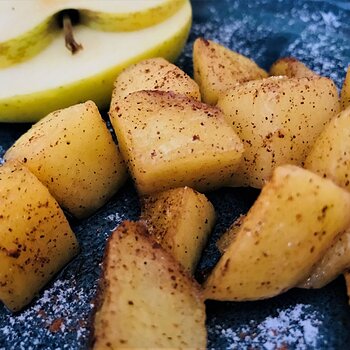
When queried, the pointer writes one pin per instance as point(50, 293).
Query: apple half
point(23, 36)
point(54, 78)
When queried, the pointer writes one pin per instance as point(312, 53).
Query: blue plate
point(317, 33)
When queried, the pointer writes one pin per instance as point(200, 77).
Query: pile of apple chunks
point(287, 133)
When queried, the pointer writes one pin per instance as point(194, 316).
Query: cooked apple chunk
point(333, 263)
point(288, 230)
point(73, 154)
point(330, 155)
point(181, 221)
point(217, 69)
point(154, 74)
point(278, 120)
point(292, 68)
point(172, 141)
point(35, 238)
point(345, 92)
point(146, 299)
point(330, 158)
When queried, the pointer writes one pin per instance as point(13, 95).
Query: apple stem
point(71, 44)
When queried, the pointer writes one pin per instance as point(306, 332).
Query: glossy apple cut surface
point(31, 34)
point(55, 78)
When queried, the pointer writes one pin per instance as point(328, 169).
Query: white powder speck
point(269, 346)
point(54, 310)
point(117, 218)
point(330, 19)
point(310, 331)
point(319, 44)
point(296, 326)
point(2, 151)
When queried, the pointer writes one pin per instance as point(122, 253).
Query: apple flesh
point(33, 33)
point(56, 79)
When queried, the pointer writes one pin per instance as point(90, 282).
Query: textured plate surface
point(316, 32)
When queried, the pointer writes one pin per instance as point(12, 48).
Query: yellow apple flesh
point(55, 78)
point(27, 27)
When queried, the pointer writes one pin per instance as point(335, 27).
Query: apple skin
point(28, 44)
point(130, 21)
point(97, 87)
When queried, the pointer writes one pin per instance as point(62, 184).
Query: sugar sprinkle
point(297, 326)
point(54, 312)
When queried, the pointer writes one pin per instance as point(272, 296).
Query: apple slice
point(36, 239)
point(180, 220)
point(154, 74)
point(56, 79)
point(170, 141)
point(287, 231)
point(73, 154)
point(345, 91)
point(292, 68)
point(146, 300)
point(33, 33)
